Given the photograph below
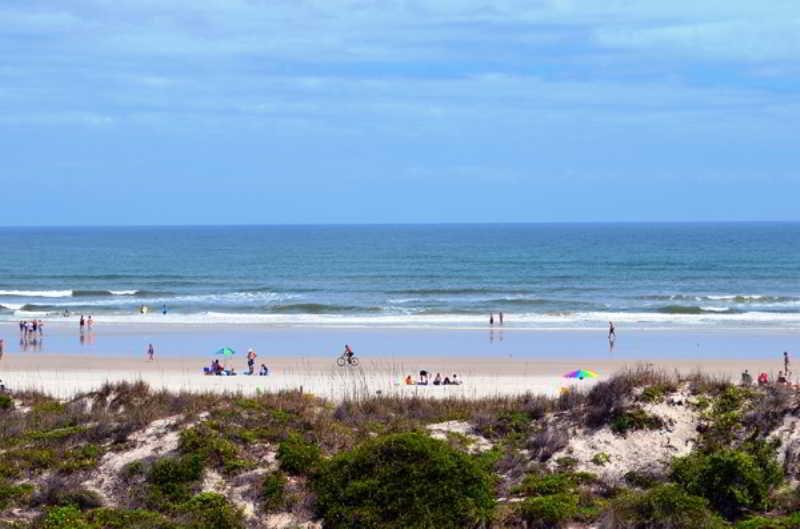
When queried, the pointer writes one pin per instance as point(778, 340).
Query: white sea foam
point(579, 320)
point(37, 293)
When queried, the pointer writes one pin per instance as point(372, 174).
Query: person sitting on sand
point(455, 381)
point(763, 379)
point(437, 379)
point(423, 378)
point(409, 381)
point(264, 371)
point(747, 380)
point(447, 381)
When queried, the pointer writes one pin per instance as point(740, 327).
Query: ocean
point(550, 276)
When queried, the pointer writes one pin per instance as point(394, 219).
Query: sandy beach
point(490, 362)
point(64, 376)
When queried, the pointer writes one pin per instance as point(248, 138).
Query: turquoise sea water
point(551, 276)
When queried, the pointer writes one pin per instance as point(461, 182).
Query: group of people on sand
point(216, 367)
point(438, 380)
point(784, 377)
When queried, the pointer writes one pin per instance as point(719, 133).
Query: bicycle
point(347, 360)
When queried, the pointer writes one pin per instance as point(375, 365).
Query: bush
point(537, 484)
point(171, 480)
point(549, 512)
point(403, 481)
point(121, 519)
point(68, 517)
point(212, 448)
point(273, 491)
point(663, 507)
point(13, 494)
point(210, 511)
point(6, 402)
point(297, 456)
point(731, 480)
point(779, 522)
point(634, 419)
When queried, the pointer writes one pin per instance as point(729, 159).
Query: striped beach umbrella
point(580, 374)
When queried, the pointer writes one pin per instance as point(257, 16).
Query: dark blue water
point(560, 275)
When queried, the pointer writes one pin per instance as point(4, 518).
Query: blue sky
point(343, 111)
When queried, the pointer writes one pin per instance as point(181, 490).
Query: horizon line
point(387, 224)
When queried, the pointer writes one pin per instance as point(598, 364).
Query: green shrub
point(731, 480)
point(778, 522)
point(634, 419)
point(655, 393)
point(297, 456)
point(541, 484)
point(6, 402)
point(273, 491)
point(122, 519)
point(82, 458)
point(601, 459)
point(12, 494)
point(403, 481)
point(641, 479)
point(212, 447)
point(549, 512)
point(68, 517)
point(662, 507)
point(210, 511)
point(172, 480)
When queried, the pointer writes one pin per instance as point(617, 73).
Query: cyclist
point(348, 353)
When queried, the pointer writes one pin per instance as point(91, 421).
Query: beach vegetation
point(12, 494)
point(666, 506)
point(209, 510)
point(625, 420)
point(273, 491)
point(6, 402)
point(732, 480)
point(406, 480)
point(553, 511)
point(791, 521)
point(173, 480)
point(298, 456)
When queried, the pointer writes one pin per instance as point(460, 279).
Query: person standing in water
point(612, 331)
point(151, 353)
point(500, 316)
point(82, 322)
point(491, 318)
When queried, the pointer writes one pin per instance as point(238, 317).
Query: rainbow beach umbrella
point(580, 374)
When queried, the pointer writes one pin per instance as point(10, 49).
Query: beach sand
point(64, 376)
point(490, 363)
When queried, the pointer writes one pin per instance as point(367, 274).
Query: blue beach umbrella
point(225, 351)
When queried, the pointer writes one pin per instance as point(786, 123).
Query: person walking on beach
point(82, 323)
point(612, 331)
point(89, 322)
point(251, 360)
point(491, 318)
point(500, 316)
point(151, 353)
